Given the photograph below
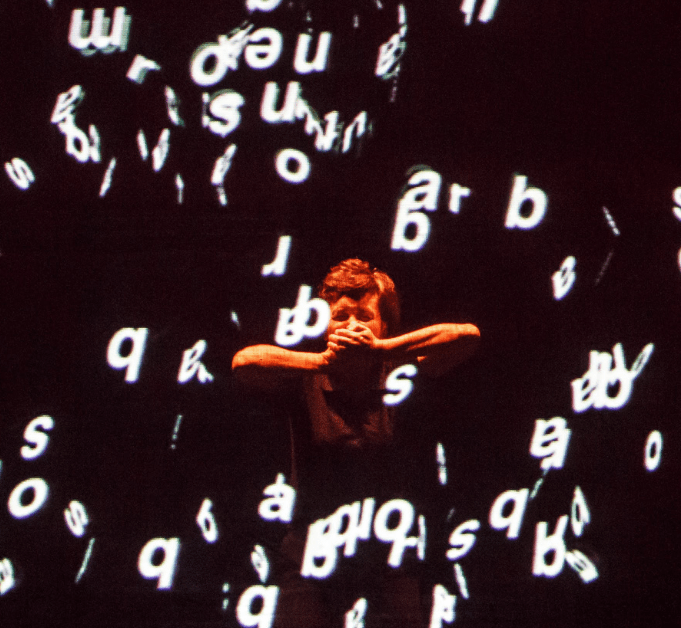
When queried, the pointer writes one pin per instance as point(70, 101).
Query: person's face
point(347, 311)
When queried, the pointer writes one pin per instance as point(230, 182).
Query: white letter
point(263, 56)
point(456, 193)
point(462, 540)
point(282, 498)
point(270, 94)
point(6, 575)
point(165, 570)
point(397, 535)
point(76, 518)
point(66, 104)
point(320, 544)
point(139, 67)
point(37, 438)
point(444, 606)
point(318, 64)
point(206, 521)
point(260, 562)
point(553, 543)
point(550, 441)
point(293, 324)
point(131, 362)
point(653, 451)
point(278, 265)
point(423, 196)
point(160, 152)
point(265, 617)
point(582, 565)
point(287, 155)
point(20, 173)
point(354, 618)
point(226, 52)
point(399, 384)
point(225, 106)
point(514, 519)
point(519, 195)
point(191, 365)
point(579, 513)
point(564, 278)
point(15, 504)
point(262, 5)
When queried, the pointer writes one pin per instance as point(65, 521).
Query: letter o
point(14, 504)
point(198, 64)
point(287, 155)
point(653, 452)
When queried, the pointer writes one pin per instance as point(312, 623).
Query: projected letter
point(513, 520)
point(280, 502)
point(21, 174)
point(260, 56)
point(206, 521)
point(550, 441)
point(579, 513)
point(15, 504)
point(191, 365)
point(268, 603)
point(278, 265)
point(585, 569)
point(6, 575)
point(318, 64)
point(520, 194)
point(36, 437)
point(131, 362)
point(424, 195)
point(653, 451)
point(462, 539)
point(294, 324)
point(76, 518)
point(544, 544)
point(270, 95)
point(292, 165)
point(397, 535)
point(164, 571)
point(444, 607)
point(564, 278)
point(399, 384)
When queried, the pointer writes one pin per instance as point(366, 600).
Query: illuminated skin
point(357, 348)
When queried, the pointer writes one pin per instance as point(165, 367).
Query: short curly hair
point(355, 278)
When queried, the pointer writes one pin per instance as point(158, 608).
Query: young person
point(342, 432)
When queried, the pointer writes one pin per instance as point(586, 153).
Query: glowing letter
point(260, 562)
point(191, 365)
point(20, 173)
point(514, 519)
point(456, 193)
point(582, 565)
point(564, 278)
point(653, 451)
point(131, 362)
point(397, 535)
point(6, 575)
point(462, 539)
point(579, 513)
point(444, 606)
point(318, 64)
point(550, 441)
point(270, 94)
point(226, 53)
point(282, 498)
point(76, 518)
point(262, 5)
point(225, 106)
point(278, 265)
point(544, 544)
point(285, 157)
point(519, 195)
point(37, 438)
point(139, 67)
point(320, 544)
point(399, 384)
point(354, 618)
point(265, 616)
point(15, 504)
point(160, 152)
point(423, 196)
point(260, 56)
point(103, 36)
point(293, 324)
point(165, 570)
point(206, 521)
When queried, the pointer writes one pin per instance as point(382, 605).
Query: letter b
point(519, 195)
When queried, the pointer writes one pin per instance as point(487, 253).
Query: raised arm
point(437, 348)
point(269, 367)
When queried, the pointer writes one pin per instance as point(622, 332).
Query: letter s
point(38, 439)
point(399, 384)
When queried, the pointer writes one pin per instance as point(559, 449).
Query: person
point(342, 431)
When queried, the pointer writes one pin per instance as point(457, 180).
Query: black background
point(581, 97)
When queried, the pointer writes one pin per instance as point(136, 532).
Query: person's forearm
point(437, 348)
point(265, 365)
